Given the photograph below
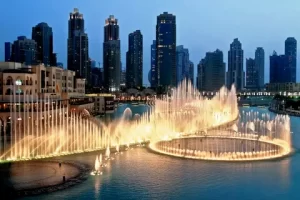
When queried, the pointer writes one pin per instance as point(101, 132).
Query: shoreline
point(69, 182)
point(283, 112)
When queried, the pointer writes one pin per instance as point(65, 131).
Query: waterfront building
point(235, 74)
point(24, 51)
point(111, 55)
point(211, 71)
point(134, 60)
point(166, 50)
point(260, 67)
point(78, 47)
point(153, 71)
point(291, 53)
point(43, 36)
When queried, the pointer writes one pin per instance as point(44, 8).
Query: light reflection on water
point(140, 174)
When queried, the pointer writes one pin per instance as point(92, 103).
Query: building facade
point(182, 64)
point(191, 72)
point(78, 45)
point(252, 77)
point(200, 75)
point(153, 70)
point(123, 78)
point(260, 67)
point(43, 36)
point(111, 55)
point(7, 51)
point(235, 74)
point(279, 70)
point(283, 87)
point(134, 60)
point(24, 51)
point(38, 81)
point(166, 50)
point(291, 53)
point(211, 71)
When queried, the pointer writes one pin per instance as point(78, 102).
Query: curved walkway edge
point(80, 177)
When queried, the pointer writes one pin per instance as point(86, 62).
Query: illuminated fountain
point(97, 167)
point(190, 126)
point(254, 140)
point(107, 154)
point(184, 124)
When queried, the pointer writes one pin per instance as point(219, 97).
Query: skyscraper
point(8, 51)
point(111, 55)
point(24, 51)
point(279, 70)
point(211, 71)
point(43, 36)
point(166, 49)
point(134, 60)
point(291, 53)
point(182, 64)
point(235, 74)
point(153, 70)
point(251, 74)
point(93, 64)
point(78, 47)
point(200, 74)
point(123, 78)
point(191, 72)
point(260, 67)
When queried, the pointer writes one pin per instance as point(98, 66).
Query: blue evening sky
point(202, 25)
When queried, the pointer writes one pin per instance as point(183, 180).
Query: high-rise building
point(93, 64)
point(279, 70)
point(123, 78)
point(60, 64)
point(200, 75)
point(78, 47)
point(235, 74)
point(191, 72)
point(149, 77)
point(260, 67)
point(182, 63)
point(43, 35)
point(24, 51)
point(8, 51)
point(211, 71)
point(291, 53)
point(134, 60)
point(251, 74)
point(166, 49)
point(153, 73)
point(111, 55)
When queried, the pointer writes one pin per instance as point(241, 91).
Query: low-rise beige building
point(38, 82)
point(283, 87)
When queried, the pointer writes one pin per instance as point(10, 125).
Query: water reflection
point(140, 174)
point(97, 186)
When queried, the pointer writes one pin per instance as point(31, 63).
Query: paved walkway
point(37, 174)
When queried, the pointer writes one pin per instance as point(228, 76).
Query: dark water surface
point(141, 174)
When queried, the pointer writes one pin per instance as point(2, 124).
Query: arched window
point(9, 91)
point(9, 80)
point(19, 91)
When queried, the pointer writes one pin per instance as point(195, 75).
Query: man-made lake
point(141, 174)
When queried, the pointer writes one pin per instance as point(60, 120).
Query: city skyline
point(219, 31)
